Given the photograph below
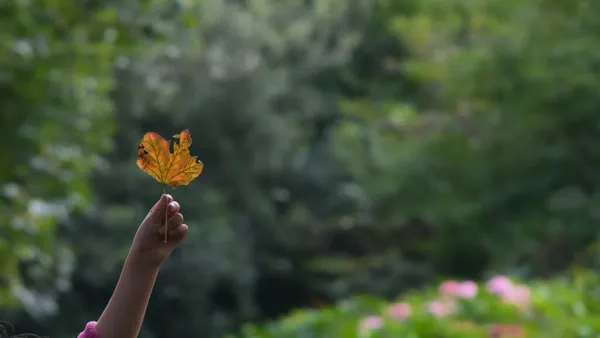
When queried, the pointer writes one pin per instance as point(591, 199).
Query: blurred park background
point(356, 152)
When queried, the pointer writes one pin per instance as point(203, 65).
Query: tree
point(55, 63)
point(241, 81)
point(497, 148)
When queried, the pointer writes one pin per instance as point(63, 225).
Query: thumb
point(157, 213)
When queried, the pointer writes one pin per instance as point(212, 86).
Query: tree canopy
point(350, 147)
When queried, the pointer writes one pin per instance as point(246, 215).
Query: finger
point(178, 234)
point(173, 209)
point(173, 223)
point(158, 210)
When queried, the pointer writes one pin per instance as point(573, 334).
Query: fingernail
point(169, 198)
point(171, 206)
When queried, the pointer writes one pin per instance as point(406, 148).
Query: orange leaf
point(169, 163)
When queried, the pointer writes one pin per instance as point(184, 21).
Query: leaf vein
point(157, 151)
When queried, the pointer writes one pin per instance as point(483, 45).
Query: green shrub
point(563, 307)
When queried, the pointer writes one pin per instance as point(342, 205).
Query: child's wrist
point(144, 260)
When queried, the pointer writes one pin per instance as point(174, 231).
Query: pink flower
point(519, 296)
point(440, 308)
point(499, 285)
point(467, 289)
point(449, 288)
point(506, 330)
point(399, 311)
point(370, 323)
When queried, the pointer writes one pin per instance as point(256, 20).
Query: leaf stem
point(164, 190)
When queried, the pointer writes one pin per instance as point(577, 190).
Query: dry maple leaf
point(169, 163)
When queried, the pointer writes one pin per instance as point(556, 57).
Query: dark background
point(350, 147)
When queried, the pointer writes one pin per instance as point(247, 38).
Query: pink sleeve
point(90, 331)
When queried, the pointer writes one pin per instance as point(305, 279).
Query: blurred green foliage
point(350, 147)
point(55, 75)
point(565, 307)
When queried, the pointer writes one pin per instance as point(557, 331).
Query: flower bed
point(499, 307)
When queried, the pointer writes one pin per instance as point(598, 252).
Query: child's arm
point(125, 311)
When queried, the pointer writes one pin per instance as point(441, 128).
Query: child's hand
point(148, 244)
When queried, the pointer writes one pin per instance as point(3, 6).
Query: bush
point(500, 307)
